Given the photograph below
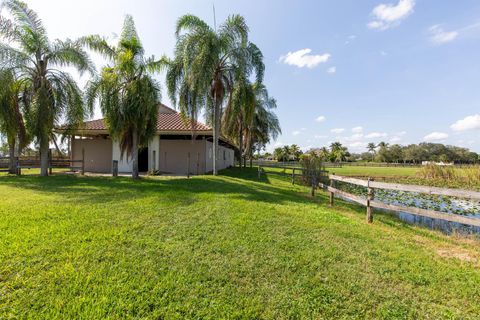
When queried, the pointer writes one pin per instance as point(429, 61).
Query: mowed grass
point(375, 171)
point(230, 246)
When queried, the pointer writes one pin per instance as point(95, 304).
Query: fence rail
point(370, 203)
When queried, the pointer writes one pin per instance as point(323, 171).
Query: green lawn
point(375, 171)
point(218, 247)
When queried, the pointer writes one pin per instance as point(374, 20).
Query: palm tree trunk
point(135, 154)
point(240, 147)
point(44, 144)
point(11, 154)
point(216, 133)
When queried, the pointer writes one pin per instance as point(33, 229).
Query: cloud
point(440, 36)
point(320, 119)
point(296, 132)
point(467, 123)
point(388, 15)
point(435, 136)
point(374, 135)
point(337, 130)
point(332, 70)
point(302, 58)
point(357, 129)
point(350, 39)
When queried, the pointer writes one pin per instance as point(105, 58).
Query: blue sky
point(401, 71)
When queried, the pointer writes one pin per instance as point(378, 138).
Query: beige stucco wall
point(173, 156)
point(98, 154)
point(226, 157)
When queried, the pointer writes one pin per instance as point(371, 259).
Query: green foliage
point(207, 65)
point(49, 94)
point(129, 96)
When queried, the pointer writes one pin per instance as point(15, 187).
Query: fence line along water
point(370, 202)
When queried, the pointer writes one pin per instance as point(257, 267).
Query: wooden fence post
point(293, 176)
point(259, 171)
point(370, 197)
point(188, 165)
point(115, 168)
point(50, 162)
point(332, 195)
point(83, 162)
point(198, 163)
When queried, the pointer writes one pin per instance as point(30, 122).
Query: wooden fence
point(369, 202)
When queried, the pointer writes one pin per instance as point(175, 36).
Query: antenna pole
point(214, 18)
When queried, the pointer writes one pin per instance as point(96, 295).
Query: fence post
point(259, 171)
point(332, 184)
point(293, 176)
point(188, 165)
point(83, 162)
point(198, 163)
point(50, 162)
point(17, 163)
point(370, 197)
point(115, 168)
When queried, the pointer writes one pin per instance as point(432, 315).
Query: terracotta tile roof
point(168, 120)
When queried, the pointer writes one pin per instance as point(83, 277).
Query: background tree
point(50, 95)
point(264, 126)
point(372, 149)
point(206, 62)
point(129, 97)
point(12, 124)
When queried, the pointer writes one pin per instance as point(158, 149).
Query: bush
point(313, 169)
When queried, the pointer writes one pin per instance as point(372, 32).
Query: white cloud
point(320, 119)
point(332, 70)
point(395, 139)
point(440, 36)
point(350, 38)
point(435, 136)
point(374, 135)
point(296, 133)
point(302, 58)
point(337, 130)
point(467, 123)
point(383, 53)
point(389, 15)
point(357, 130)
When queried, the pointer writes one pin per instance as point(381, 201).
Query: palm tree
point(338, 152)
point(12, 124)
point(127, 93)
point(207, 62)
point(250, 119)
point(372, 149)
point(49, 94)
point(264, 125)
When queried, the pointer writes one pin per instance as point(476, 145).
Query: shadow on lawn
point(240, 184)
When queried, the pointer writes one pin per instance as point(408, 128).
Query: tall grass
point(469, 175)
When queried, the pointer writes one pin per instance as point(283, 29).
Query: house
point(175, 148)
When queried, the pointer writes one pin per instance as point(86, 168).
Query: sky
point(400, 71)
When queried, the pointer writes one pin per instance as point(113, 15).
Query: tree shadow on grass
point(180, 191)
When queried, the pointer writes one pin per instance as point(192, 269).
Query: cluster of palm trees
point(217, 71)
point(335, 153)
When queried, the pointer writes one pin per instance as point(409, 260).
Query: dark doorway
point(143, 160)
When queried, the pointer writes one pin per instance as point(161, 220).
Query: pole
point(370, 197)
point(83, 162)
point(332, 195)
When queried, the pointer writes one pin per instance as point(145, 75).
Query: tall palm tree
point(264, 125)
point(127, 93)
point(206, 64)
point(12, 123)
point(249, 118)
point(372, 149)
point(50, 94)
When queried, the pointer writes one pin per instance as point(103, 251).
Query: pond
point(450, 205)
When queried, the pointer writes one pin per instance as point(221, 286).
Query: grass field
point(219, 247)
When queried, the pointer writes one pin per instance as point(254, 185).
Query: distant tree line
point(381, 152)
point(416, 153)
